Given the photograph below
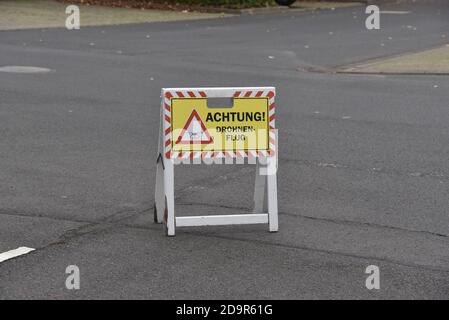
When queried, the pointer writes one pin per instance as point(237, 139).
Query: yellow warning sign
point(198, 127)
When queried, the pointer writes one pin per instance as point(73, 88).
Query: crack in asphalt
point(203, 182)
point(390, 172)
point(94, 227)
point(112, 220)
point(14, 213)
point(330, 252)
point(336, 221)
point(367, 224)
point(296, 247)
point(116, 220)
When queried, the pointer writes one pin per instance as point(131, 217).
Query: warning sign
point(209, 125)
point(243, 126)
point(194, 132)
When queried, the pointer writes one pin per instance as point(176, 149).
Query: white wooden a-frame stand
point(265, 192)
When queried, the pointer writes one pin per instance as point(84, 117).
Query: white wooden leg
point(272, 196)
point(169, 194)
point(159, 192)
point(259, 191)
point(159, 201)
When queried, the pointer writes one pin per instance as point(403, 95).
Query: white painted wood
point(259, 191)
point(219, 220)
point(14, 253)
point(159, 194)
point(170, 196)
point(272, 195)
point(221, 92)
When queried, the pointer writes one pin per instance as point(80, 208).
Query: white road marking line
point(14, 253)
point(394, 12)
point(23, 69)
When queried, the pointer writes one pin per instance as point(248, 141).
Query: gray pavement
point(364, 160)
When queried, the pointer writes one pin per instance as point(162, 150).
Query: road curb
point(272, 10)
point(354, 68)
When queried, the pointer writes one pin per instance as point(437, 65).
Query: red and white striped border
point(168, 94)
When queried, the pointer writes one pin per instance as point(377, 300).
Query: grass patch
point(232, 4)
point(429, 61)
point(25, 14)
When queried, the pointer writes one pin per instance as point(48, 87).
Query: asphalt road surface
point(364, 160)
